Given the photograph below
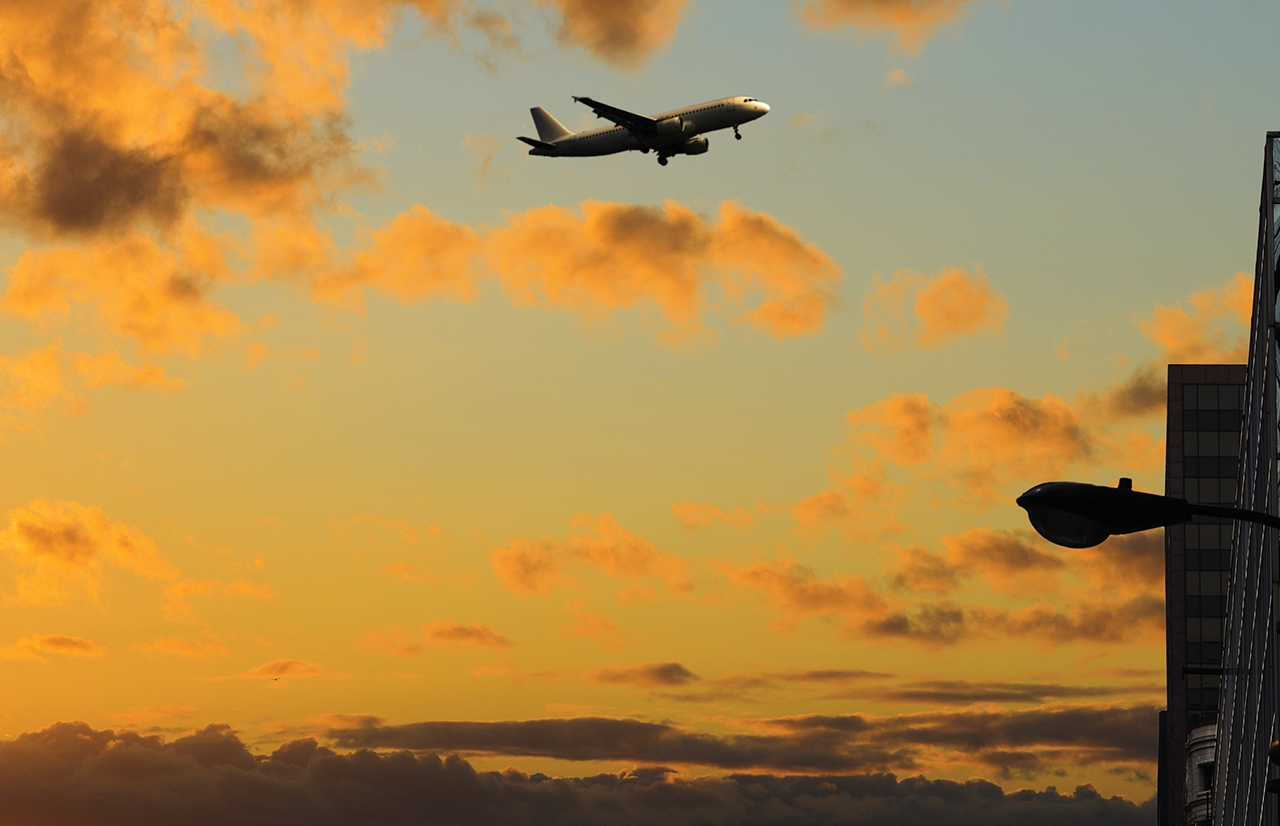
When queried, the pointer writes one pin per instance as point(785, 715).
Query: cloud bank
point(71, 774)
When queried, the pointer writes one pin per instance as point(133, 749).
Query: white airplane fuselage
point(675, 128)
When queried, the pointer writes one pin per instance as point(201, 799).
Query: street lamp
point(1077, 515)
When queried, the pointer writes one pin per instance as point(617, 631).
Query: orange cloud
point(418, 255)
point(945, 306)
point(616, 256)
point(109, 368)
point(1133, 563)
point(990, 438)
point(1212, 331)
point(139, 289)
point(179, 592)
point(280, 669)
point(912, 21)
point(1096, 620)
point(60, 548)
point(405, 643)
point(899, 428)
point(865, 505)
point(31, 648)
point(136, 121)
point(526, 566)
point(474, 634)
point(118, 137)
point(612, 257)
point(694, 515)
point(203, 648)
point(899, 77)
point(796, 593)
point(594, 626)
point(918, 569)
point(1195, 335)
point(622, 32)
point(392, 639)
point(1012, 561)
point(33, 382)
point(484, 149)
point(1018, 563)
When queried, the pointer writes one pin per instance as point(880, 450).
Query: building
point(1247, 698)
point(1201, 465)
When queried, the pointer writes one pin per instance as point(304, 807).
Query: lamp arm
point(1221, 512)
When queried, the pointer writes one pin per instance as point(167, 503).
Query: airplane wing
point(633, 123)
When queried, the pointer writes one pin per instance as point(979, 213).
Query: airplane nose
point(764, 107)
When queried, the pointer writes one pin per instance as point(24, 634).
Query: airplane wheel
point(662, 161)
point(736, 136)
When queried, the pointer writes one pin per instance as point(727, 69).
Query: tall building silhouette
point(1202, 464)
point(1247, 698)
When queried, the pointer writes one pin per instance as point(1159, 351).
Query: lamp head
point(1077, 515)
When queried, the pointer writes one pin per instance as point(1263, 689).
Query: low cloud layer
point(72, 774)
point(1025, 742)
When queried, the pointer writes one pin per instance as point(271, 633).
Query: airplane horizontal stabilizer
point(536, 144)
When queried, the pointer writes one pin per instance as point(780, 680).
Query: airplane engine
point(673, 126)
point(695, 146)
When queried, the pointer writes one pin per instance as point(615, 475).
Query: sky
point(359, 467)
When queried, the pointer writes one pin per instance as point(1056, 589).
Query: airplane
point(670, 133)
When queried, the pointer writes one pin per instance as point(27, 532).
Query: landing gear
point(737, 136)
point(662, 160)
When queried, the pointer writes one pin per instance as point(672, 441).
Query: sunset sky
point(331, 420)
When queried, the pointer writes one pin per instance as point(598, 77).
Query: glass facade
point(1201, 465)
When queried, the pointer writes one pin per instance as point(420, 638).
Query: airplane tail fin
point(549, 129)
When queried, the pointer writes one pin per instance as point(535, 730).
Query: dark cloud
point(830, 675)
point(940, 624)
point(248, 153)
point(71, 774)
point(1084, 735)
point(646, 675)
point(1136, 560)
point(1080, 735)
point(1142, 394)
point(84, 184)
point(601, 738)
point(984, 691)
point(1101, 621)
point(741, 686)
